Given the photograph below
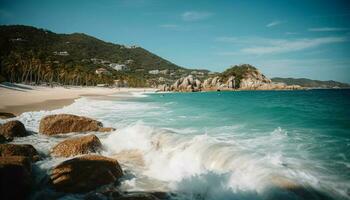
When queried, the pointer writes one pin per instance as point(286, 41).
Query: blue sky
point(305, 38)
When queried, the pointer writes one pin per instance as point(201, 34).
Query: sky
point(289, 38)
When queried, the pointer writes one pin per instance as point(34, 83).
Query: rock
point(106, 129)
point(300, 191)
point(25, 150)
point(3, 139)
point(5, 115)
point(141, 196)
point(198, 83)
point(231, 82)
point(85, 173)
point(13, 129)
point(186, 84)
point(76, 146)
point(15, 181)
point(253, 80)
point(65, 123)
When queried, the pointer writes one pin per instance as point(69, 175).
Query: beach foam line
point(178, 160)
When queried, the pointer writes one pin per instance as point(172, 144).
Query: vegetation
point(238, 71)
point(38, 56)
point(311, 83)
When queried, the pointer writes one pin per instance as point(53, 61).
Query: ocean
point(219, 145)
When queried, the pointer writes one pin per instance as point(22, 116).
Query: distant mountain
point(304, 82)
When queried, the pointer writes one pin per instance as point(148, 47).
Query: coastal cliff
point(238, 77)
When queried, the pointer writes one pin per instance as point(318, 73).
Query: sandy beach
point(18, 98)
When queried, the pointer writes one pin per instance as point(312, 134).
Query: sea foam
point(220, 162)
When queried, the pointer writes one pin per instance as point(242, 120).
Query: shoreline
point(19, 98)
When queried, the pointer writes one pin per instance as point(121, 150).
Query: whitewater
point(217, 145)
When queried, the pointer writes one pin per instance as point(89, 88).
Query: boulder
point(3, 139)
point(198, 83)
point(85, 173)
point(15, 181)
point(25, 150)
point(65, 123)
point(106, 129)
point(5, 115)
point(76, 146)
point(13, 129)
point(141, 196)
point(231, 82)
point(186, 84)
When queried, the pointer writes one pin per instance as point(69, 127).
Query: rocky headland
point(239, 77)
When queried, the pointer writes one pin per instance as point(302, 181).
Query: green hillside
point(311, 83)
point(32, 54)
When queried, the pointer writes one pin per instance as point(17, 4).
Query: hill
point(311, 83)
point(29, 54)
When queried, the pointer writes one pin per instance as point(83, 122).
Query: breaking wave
point(224, 161)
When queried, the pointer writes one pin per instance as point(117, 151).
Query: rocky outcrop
point(25, 150)
point(85, 173)
point(15, 177)
point(76, 146)
point(5, 115)
point(217, 83)
point(186, 84)
point(13, 129)
point(241, 77)
point(253, 80)
point(65, 123)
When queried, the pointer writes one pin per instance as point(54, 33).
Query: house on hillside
point(100, 61)
point(60, 53)
point(165, 71)
point(102, 71)
point(17, 40)
point(197, 73)
point(154, 72)
point(118, 67)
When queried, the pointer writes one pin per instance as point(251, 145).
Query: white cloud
point(261, 46)
point(195, 15)
point(327, 29)
point(274, 23)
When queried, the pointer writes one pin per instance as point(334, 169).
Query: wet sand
point(18, 98)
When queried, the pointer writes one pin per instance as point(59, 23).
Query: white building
point(118, 67)
point(155, 71)
point(61, 53)
point(165, 71)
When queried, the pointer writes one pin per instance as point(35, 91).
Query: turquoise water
point(221, 145)
point(295, 130)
